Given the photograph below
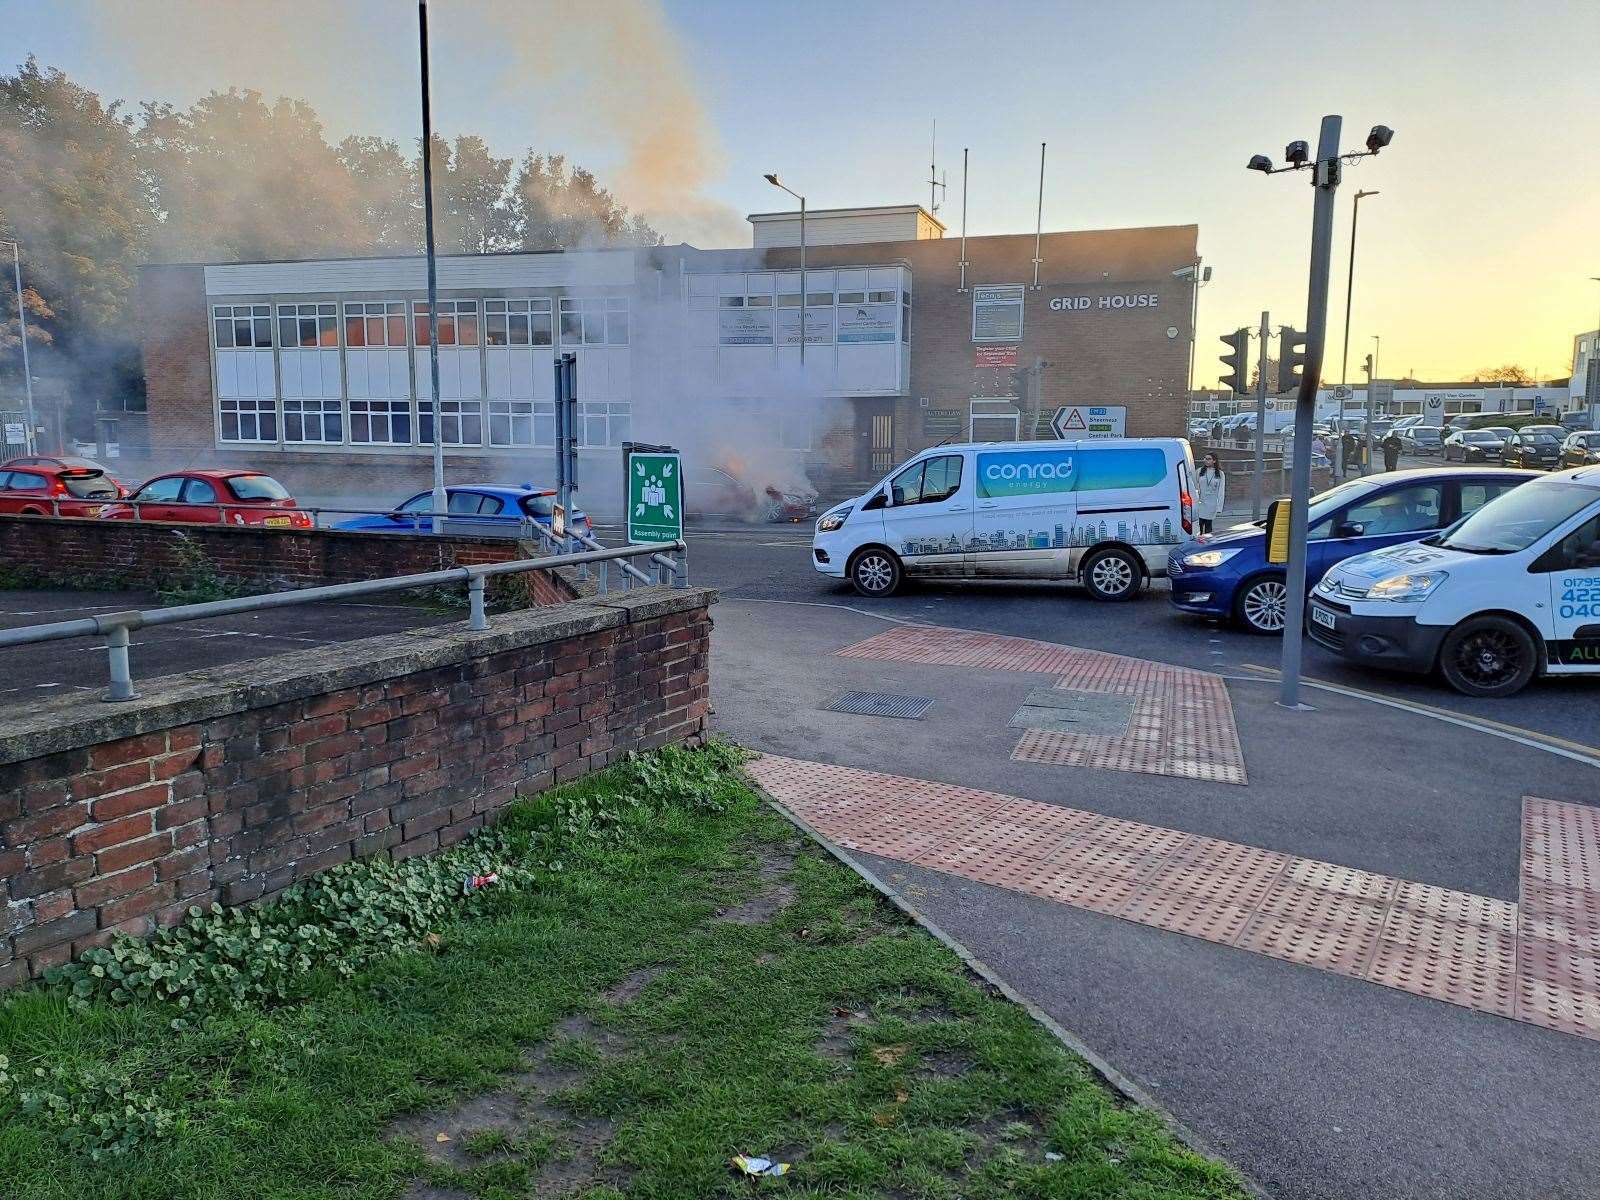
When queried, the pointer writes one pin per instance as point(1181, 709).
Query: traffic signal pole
point(1261, 422)
point(1325, 180)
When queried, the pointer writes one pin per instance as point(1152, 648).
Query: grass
point(697, 983)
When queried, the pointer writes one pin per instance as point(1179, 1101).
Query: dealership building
point(894, 337)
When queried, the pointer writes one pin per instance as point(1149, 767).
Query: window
point(474, 504)
point(199, 491)
point(164, 489)
point(522, 423)
point(603, 424)
point(1580, 549)
point(26, 481)
point(257, 487)
point(422, 503)
point(463, 422)
point(313, 421)
point(308, 326)
point(89, 487)
point(379, 323)
point(458, 322)
point(1475, 495)
point(516, 322)
point(928, 481)
point(905, 316)
point(241, 326)
point(380, 422)
point(1409, 510)
point(249, 420)
point(596, 320)
point(881, 297)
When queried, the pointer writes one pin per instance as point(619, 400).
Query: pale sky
point(1478, 252)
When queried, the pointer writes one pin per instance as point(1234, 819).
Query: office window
point(313, 421)
point(308, 326)
point(462, 422)
point(603, 423)
point(241, 326)
point(249, 420)
point(377, 323)
point(522, 423)
point(380, 422)
point(458, 322)
point(594, 321)
point(524, 322)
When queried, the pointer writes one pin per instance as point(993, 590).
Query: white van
point(1507, 593)
point(1106, 512)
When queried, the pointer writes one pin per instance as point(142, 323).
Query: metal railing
point(417, 522)
point(115, 627)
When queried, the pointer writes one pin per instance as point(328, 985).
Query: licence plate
point(276, 521)
point(1323, 617)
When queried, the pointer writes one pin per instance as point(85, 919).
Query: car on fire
point(479, 509)
point(713, 492)
point(211, 498)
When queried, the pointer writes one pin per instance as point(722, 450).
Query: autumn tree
point(388, 192)
point(1510, 375)
point(557, 207)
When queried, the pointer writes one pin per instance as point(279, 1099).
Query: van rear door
point(1131, 493)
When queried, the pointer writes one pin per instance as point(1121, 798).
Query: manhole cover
point(881, 704)
point(1097, 714)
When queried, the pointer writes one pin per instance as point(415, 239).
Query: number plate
point(1323, 617)
point(276, 521)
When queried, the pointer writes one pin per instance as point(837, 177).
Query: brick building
point(319, 371)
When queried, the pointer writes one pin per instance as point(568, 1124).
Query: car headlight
point(834, 519)
point(1209, 558)
point(1406, 587)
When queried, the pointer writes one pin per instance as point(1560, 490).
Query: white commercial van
point(1507, 593)
point(1106, 512)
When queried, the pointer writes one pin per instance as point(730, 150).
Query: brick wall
point(118, 818)
point(147, 554)
point(176, 335)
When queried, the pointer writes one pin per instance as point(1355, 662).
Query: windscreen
point(1516, 519)
point(258, 487)
point(90, 487)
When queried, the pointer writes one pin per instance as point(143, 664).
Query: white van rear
point(1105, 512)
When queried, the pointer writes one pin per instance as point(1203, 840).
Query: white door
point(1574, 575)
point(928, 520)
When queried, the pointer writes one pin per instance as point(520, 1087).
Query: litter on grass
point(471, 883)
point(755, 1167)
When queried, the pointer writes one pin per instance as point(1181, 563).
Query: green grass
point(833, 1035)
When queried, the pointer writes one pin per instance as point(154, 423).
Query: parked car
point(1407, 422)
point(477, 509)
point(1421, 439)
point(1511, 592)
point(1581, 449)
point(211, 498)
point(45, 488)
point(1577, 421)
point(65, 460)
point(1533, 446)
point(1102, 512)
point(1473, 446)
point(1228, 576)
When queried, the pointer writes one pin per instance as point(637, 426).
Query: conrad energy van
point(1105, 512)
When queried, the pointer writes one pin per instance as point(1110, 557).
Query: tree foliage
point(1510, 375)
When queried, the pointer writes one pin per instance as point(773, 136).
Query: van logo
point(1029, 470)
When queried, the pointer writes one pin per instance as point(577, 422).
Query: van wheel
point(1263, 607)
point(1113, 575)
point(1489, 657)
point(875, 572)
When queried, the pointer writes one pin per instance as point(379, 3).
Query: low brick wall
point(89, 553)
point(231, 784)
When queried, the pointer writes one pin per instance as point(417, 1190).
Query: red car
point(212, 498)
point(44, 487)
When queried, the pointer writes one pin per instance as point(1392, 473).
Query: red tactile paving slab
point(1182, 723)
point(1534, 963)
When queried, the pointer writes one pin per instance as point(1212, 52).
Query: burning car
point(714, 492)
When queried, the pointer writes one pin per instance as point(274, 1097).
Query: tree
point(388, 192)
point(1272, 376)
point(1510, 375)
point(560, 209)
point(469, 197)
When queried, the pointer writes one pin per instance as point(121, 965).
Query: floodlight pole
point(1325, 179)
point(22, 331)
point(440, 500)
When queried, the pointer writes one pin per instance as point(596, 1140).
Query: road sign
point(16, 433)
point(558, 520)
point(1342, 392)
point(1090, 421)
point(654, 494)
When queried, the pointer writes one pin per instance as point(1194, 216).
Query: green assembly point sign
point(655, 497)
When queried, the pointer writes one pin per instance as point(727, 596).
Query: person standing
point(1391, 450)
point(1211, 492)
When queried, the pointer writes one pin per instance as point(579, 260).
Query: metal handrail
point(115, 627)
point(414, 520)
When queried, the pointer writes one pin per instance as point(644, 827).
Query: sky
point(1477, 252)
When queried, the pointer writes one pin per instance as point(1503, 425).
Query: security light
point(1380, 137)
point(1297, 152)
point(773, 180)
point(1205, 276)
point(1260, 162)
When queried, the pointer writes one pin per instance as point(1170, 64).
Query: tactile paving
point(1535, 963)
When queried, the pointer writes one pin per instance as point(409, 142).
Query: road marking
point(1532, 738)
point(819, 604)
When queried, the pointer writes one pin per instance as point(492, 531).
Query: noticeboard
point(654, 493)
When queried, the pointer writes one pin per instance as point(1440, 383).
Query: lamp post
point(777, 183)
point(440, 500)
point(1350, 286)
point(1593, 401)
point(22, 332)
point(1201, 277)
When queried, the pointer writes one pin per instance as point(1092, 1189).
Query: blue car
point(477, 509)
point(1227, 574)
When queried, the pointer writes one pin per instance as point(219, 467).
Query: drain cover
point(1096, 714)
point(881, 704)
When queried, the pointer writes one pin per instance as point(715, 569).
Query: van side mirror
point(899, 495)
point(1349, 529)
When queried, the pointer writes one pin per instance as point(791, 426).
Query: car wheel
point(1263, 606)
point(875, 572)
point(32, 512)
point(1488, 657)
point(1113, 575)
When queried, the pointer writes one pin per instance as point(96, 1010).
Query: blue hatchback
point(1227, 574)
point(477, 509)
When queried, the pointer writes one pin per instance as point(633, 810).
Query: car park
point(55, 488)
point(1509, 593)
point(474, 509)
point(1228, 576)
point(1533, 446)
point(1473, 446)
point(211, 498)
point(1104, 512)
point(1580, 449)
point(1421, 440)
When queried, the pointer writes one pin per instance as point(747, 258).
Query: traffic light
point(1238, 344)
point(1291, 358)
point(1367, 367)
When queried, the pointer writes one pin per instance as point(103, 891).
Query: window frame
point(253, 407)
point(389, 411)
point(306, 411)
point(253, 316)
point(451, 313)
point(507, 309)
point(317, 313)
point(384, 312)
point(451, 413)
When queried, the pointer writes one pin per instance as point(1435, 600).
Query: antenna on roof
point(936, 185)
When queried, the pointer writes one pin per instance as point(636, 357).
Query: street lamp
point(22, 332)
point(1593, 401)
point(440, 500)
point(778, 183)
point(1349, 287)
point(1201, 278)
